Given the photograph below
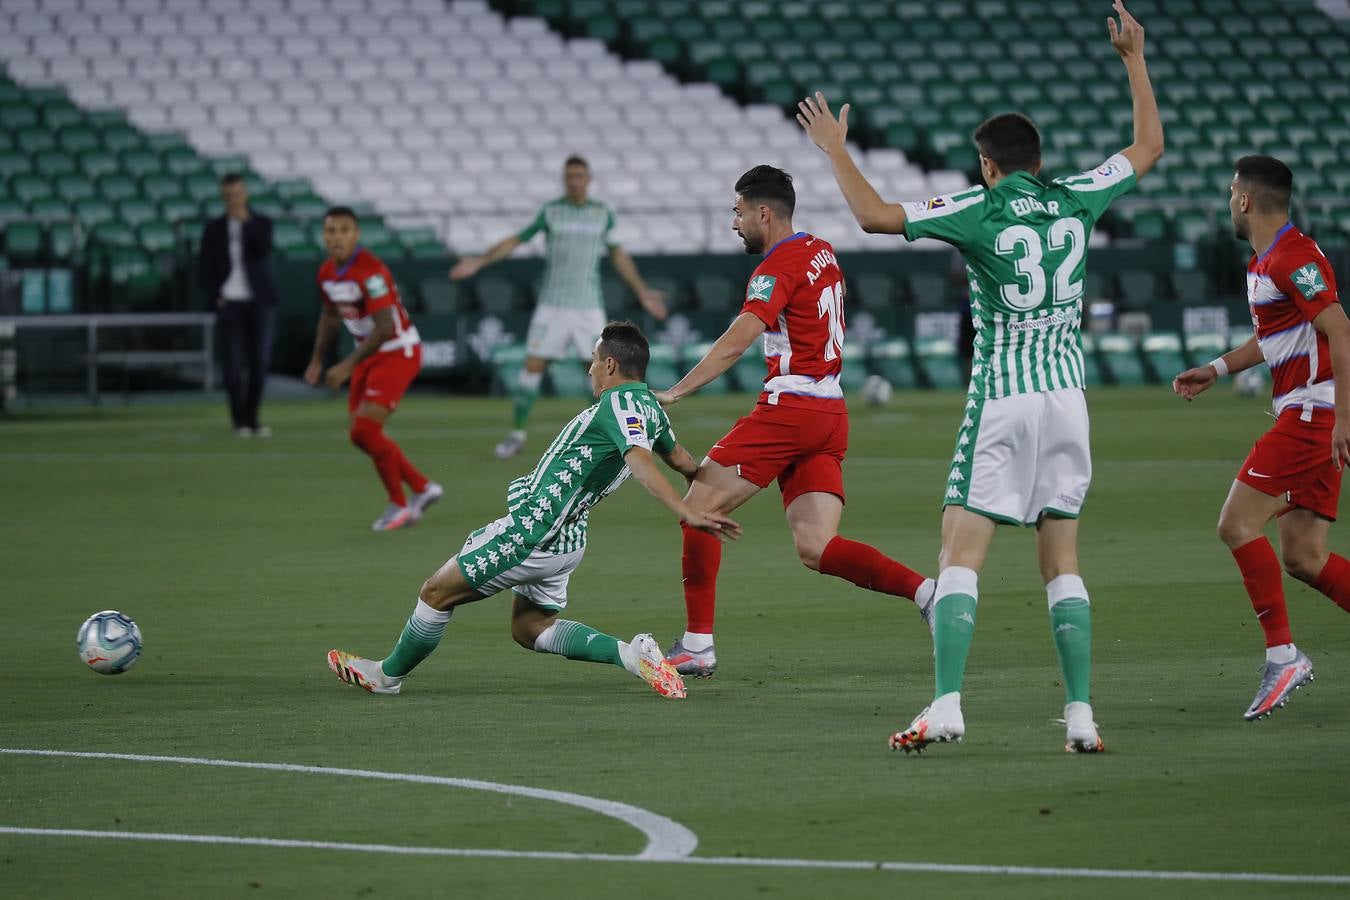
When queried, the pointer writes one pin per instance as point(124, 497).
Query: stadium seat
point(937, 361)
point(23, 243)
point(894, 362)
point(1119, 355)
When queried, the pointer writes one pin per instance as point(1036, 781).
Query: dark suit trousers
point(246, 335)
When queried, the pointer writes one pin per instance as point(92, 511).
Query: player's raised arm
point(643, 467)
point(470, 266)
point(327, 328)
point(722, 355)
point(653, 301)
point(1194, 382)
point(1333, 323)
point(874, 215)
point(1128, 39)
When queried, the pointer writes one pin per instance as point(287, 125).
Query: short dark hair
point(575, 160)
point(628, 346)
point(1269, 181)
point(230, 178)
point(769, 185)
point(341, 211)
point(1010, 141)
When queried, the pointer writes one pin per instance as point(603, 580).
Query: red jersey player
point(1294, 471)
point(797, 432)
point(357, 289)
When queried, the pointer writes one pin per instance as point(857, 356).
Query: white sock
point(923, 597)
point(694, 641)
point(628, 656)
point(1281, 654)
point(530, 381)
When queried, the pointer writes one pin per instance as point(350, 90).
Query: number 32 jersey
point(1024, 243)
point(798, 293)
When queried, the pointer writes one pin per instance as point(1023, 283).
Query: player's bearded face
point(1240, 226)
point(745, 222)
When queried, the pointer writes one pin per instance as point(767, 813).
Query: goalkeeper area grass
point(243, 562)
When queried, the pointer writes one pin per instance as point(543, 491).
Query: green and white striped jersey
point(1024, 243)
point(585, 464)
point(576, 235)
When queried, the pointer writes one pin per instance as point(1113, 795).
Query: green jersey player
point(1022, 449)
point(571, 311)
point(534, 548)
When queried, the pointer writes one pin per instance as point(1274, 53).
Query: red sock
point(369, 436)
point(1334, 581)
point(408, 473)
point(699, 562)
point(868, 567)
point(1263, 578)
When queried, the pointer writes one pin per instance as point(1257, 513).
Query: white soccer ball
point(109, 642)
point(876, 390)
point(1250, 382)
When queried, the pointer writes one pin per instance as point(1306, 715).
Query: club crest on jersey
point(376, 286)
point(761, 287)
point(1108, 169)
point(1309, 281)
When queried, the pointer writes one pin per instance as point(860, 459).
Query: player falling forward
point(1294, 471)
point(534, 548)
point(1022, 452)
point(798, 431)
point(358, 290)
point(571, 308)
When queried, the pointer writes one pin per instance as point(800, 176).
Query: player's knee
point(525, 632)
point(809, 550)
point(1301, 562)
point(434, 595)
point(362, 432)
point(1233, 533)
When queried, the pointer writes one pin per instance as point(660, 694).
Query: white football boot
point(363, 673)
point(940, 722)
point(1080, 732)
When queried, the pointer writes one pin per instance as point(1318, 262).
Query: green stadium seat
point(95, 163)
point(63, 242)
point(64, 114)
point(202, 187)
point(16, 116)
point(35, 140)
point(1119, 355)
point(94, 212)
point(1150, 225)
point(56, 164)
point(121, 138)
point(440, 296)
point(875, 291)
point(1191, 287)
point(926, 290)
point(1164, 356)
point(117, 187)
point(894, 361)
point(140, 163)
point(937, 361)
point(157, 237)
point(79, 140)
point(308, 208)
point(715, 292)
point(23, 243)
point(12, 163)
point(11, 208)
point(74, 188)
point(137, 212)
point(498, 296)
point(178, 208)
point(183, 161)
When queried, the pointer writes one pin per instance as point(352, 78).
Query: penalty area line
point(754, 862)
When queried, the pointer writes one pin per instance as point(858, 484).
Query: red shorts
point(802, 448)
point(383, 378)
point(1294, 459)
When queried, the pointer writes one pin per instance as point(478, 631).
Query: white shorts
point(495, 557)
point(562, 333)
point(1022, 457)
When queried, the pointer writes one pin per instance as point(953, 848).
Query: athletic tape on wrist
point(1219, 366)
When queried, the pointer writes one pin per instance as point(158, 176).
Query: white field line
point(668, 841)
point(752, 862)
point(666, 838)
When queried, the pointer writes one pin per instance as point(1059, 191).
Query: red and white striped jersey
point(1287, 287)
point(798, 293)
point(362, 287)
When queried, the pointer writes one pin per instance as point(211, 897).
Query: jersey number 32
point(1022, 242)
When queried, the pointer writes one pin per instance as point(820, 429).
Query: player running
point(798, 431)
point(571, 309)
point(1294, 471)
point(357, 289)
point(1022, 452)
point(534, 548)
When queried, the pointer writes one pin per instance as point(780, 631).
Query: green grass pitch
point(244, 562)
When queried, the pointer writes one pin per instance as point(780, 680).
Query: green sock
point(953, 629)
point(525, 393)
point(420, 636)
point(1071, 627)
point(577, 641)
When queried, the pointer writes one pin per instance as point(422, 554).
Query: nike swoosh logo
point(1256, 474)
point(1263, 612)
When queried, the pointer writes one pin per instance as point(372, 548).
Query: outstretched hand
point(1194, 382)
point(1128, 39)
point(716, 524)
point(825, 131)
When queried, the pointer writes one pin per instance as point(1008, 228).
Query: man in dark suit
point(235, 272)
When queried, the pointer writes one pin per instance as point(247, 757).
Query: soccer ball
point(876, 390)
point(1249, 382)
point(109, 642)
